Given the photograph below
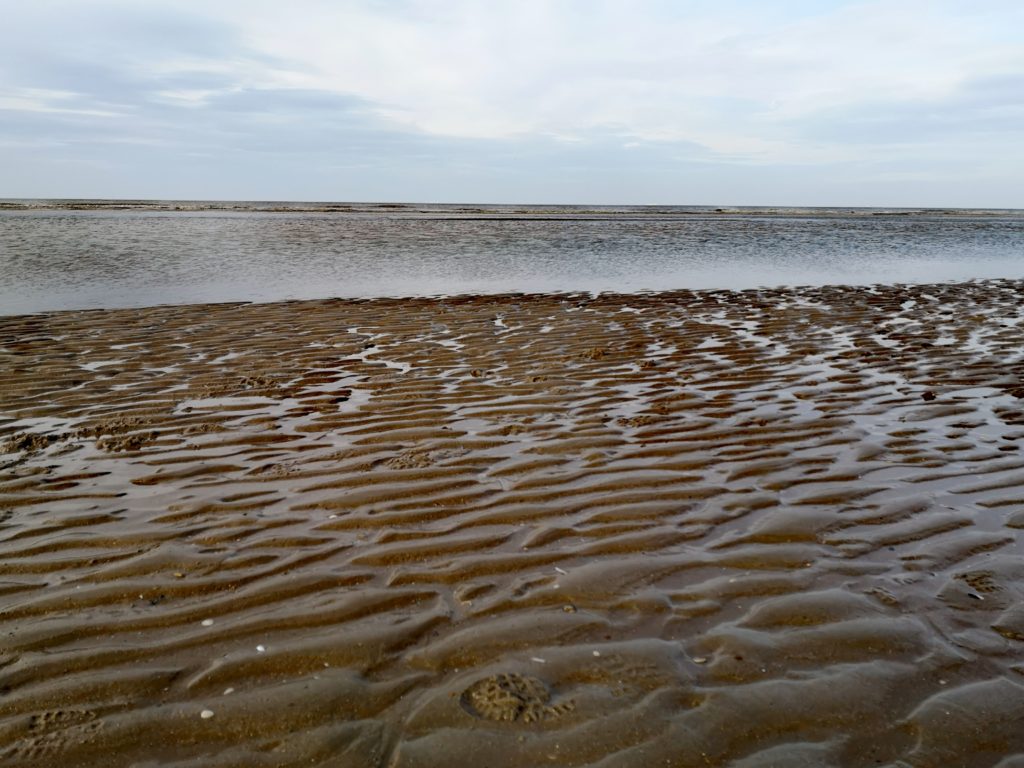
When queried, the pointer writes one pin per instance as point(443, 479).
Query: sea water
point(113, 254)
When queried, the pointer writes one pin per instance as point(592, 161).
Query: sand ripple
point(765, 528)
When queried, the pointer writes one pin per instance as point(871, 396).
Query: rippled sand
point(768, 528)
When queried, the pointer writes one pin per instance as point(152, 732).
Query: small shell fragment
point(207, 622)
point(206, 714)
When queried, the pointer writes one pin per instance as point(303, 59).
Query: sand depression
point(758, 528)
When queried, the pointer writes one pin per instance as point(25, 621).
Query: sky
point(687, 102)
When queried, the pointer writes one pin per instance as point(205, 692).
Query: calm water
point(151, 254)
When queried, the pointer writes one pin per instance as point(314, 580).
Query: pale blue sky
point(915, 103)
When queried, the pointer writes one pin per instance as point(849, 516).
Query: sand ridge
point(757, 528)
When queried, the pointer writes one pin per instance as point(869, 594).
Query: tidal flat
point(772, 527)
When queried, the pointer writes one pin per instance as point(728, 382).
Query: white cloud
point(187, 97)
point(48, 101)
point(727, 76)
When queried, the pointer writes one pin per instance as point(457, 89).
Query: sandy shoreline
point(696, 528)
point(477, 210)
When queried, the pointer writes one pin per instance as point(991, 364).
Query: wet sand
point(759, 528)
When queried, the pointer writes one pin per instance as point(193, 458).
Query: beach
point(686, 528)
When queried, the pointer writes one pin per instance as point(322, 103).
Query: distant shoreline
point(565, 296)
point(484, 211)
